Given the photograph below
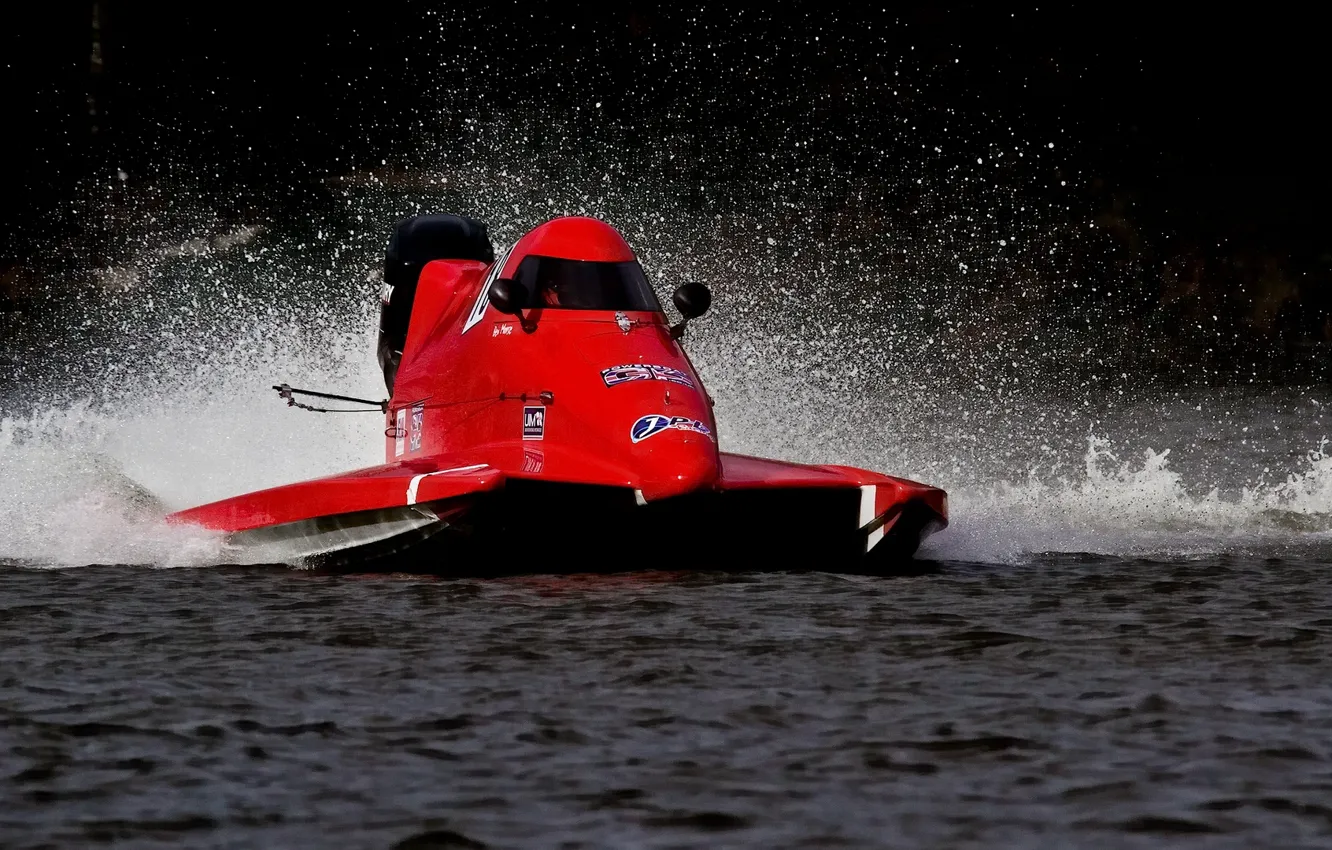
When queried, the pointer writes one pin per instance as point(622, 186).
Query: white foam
point(67, 501)
point(88, 482)
point(1136, 508)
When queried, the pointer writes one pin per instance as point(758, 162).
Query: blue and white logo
point(655, 423)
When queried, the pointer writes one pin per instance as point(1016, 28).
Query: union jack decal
point(616, 375)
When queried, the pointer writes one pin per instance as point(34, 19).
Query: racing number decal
point(418, 427)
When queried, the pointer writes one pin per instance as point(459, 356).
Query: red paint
point(573, 238)
point(360, 490)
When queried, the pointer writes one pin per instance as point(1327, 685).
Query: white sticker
point(483, 297)
point(400, 438)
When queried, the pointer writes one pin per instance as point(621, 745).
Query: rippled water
point(1074, 701)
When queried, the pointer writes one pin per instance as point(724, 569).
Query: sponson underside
point(542, 527)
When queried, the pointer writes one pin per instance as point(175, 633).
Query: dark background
point(1197, 135)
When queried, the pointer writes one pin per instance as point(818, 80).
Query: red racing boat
point(543, 417)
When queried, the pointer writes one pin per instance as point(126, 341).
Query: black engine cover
point(416, 241)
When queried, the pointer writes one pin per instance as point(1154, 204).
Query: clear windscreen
point(562, 284)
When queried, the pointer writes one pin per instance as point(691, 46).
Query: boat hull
point(531, 527)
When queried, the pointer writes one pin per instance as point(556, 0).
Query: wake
point(1139, 507)
point(88, 485)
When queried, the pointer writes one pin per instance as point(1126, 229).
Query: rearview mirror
point(692, 300)
point(508, 296)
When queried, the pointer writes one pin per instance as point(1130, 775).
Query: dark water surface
point(1068, 702)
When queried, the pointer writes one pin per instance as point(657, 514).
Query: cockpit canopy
point(563, 284)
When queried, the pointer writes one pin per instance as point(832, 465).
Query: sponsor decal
point(616, 375)
point(502, 329)
point(534, 422)
point(400, 433)
point(483, 297)
point(386, 294)
point(534, 460)
point(655, 423)
point(418, 426)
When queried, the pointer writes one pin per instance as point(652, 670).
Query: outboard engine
point(415, 242)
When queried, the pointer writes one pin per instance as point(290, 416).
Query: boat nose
point(682, 469)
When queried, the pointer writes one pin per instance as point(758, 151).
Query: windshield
point(586, 285)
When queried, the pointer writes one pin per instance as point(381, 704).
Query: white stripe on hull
point(868, 494)
point(416, 480)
